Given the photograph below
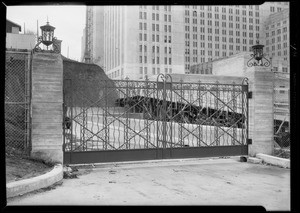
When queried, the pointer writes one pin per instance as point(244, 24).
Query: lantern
point(47, 38)
point(47, 34)
point(258, 56)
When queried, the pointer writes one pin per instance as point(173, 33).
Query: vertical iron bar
point(126, 113)
point(181, 122)
point(72, 102)
point(146, 119)
point(247, 100)
point(164, 115)
point(234, 113)
point(217, 108)
point(199, 114)
point(171, 120)
point(243, 115)
point(106, 117)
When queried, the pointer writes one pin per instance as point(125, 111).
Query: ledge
point(282, 162)
point(31, 184)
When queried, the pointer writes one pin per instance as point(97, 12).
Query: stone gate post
point(47, 108)
point(261, 111)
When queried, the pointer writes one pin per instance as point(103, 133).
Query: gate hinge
point(249, 95)
point(249, 141)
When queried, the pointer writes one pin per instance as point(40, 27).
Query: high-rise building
point(140, 41)
point(277, 39)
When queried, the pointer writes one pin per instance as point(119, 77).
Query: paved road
point(188, 182)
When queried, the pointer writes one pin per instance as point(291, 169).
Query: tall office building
point(140, 41)
point(277, 39)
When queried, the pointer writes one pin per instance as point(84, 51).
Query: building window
point(157, 38)
point(284, 69)
point(157, 27)
point(140, 37)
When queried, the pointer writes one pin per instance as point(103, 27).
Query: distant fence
point(17, 101)
point(282, 115)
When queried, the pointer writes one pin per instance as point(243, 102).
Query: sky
point(69, 22)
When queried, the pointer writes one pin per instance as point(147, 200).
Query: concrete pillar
point(261, 112)
point(47, 108)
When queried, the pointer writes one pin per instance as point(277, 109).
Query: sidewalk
point(192, 182)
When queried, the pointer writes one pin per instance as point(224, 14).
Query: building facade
point(277, 39)
point(140, 41)
point(17, 41)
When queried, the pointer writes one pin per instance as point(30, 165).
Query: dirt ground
point(20, 167)
point(195, 182)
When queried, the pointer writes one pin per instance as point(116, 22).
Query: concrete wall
point(47, 110)
point(234, 65)
point(20, 41)
point(261, 111)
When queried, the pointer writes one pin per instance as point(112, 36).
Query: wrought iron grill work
point(131, 120)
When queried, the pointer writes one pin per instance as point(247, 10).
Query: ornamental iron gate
point(123, 120)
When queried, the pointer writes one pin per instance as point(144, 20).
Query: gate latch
point(249, 141)
point(249, 95)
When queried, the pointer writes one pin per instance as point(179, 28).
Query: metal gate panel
point(138, 120)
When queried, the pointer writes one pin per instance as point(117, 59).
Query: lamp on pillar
point(258, 56)
point(47, 38)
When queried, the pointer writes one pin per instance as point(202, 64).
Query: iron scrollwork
point(258, 61)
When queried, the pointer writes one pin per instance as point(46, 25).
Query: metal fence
point(127, 118)
point(282, 115)
point(17, 101)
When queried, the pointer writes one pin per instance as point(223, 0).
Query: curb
point(276, 161)
point(254, 160)
point(31, 184)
